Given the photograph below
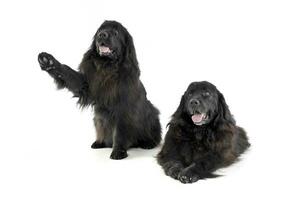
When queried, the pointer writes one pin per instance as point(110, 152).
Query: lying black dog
point(108, 79)
point(202, 136)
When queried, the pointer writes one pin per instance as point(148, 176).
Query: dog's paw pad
point(47, 61)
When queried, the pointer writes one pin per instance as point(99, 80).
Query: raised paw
point(118, 154)
point(47, 61)
point(188, 176)
point(98, 145)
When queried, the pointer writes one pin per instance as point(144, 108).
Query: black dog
point(202, 136)
point(108, 79)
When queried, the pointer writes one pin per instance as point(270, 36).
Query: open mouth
point(199, 119)
point(103, 50)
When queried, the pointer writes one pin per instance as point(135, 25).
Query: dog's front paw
point(173, 172)
point(47, 61)
point(172, 169)
point(98, 145)
point(118, 154)
point(188, 176)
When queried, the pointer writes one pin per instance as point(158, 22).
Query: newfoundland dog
point(202, 136)
point(108, 80)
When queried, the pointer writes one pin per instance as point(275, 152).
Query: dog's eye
point(206, 94)
point(115, 33)
point(189, 94)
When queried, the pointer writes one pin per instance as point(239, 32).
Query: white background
point(249, 49)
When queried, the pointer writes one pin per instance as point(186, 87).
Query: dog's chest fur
point(196, 143)
point(104, 84)
point(109, 84)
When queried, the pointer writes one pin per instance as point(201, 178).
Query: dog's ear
point(92, 51)
point(180, 108)
point(182, 104)
point(177, 116)
point(223, 113)
point(93, 45)
point(130, 52)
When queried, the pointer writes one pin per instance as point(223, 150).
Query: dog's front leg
point(65, 77)
point(119, 142)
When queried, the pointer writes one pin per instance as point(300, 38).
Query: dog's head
point(114, 42)
point(202, 104)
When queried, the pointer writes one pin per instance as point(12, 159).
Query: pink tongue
point(197, 118)
point(104, 49)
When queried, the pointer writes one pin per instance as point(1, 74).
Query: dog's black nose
point(194, 102)
point(103, 35)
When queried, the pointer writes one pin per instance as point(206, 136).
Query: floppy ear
point(224, 114)
point(130, 52)
point(180, 110)
point(177, 116)
point(91, 51)
point(93, 45)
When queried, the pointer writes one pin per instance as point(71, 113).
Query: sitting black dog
point(108, 80)
point(202, 136)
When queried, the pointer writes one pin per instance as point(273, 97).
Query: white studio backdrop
point(249, 49)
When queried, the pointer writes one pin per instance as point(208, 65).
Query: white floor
point(54, 161)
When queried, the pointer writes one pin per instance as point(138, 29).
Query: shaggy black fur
point(202, 136)
point(108, 79)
